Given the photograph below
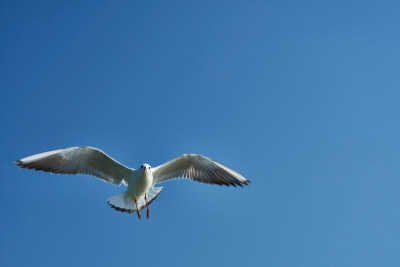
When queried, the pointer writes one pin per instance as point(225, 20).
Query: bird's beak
point(145, 168)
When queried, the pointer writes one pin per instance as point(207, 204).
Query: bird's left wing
point(74, 160)
point(198, 168)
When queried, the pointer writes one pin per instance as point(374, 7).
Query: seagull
point(141, 190)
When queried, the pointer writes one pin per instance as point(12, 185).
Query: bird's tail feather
point(124, 203)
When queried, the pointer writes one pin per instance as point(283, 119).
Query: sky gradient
point(300, 97)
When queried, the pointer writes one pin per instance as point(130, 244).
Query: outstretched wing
point(197, 168)
point(78, 160)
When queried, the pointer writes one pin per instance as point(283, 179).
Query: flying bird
point(141, 190)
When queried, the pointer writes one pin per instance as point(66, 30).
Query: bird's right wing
point(198, 168)
point(79, 160)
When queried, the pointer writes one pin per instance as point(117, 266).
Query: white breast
point(140, 183)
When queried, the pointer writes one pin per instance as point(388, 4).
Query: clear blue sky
point(301, 97)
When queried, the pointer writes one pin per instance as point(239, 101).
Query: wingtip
point(246, 183)
point(18, 163)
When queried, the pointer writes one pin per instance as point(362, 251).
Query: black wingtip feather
point(18, 163)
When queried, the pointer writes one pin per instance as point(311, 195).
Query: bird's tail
point(123, 203)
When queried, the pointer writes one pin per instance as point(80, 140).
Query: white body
point(139, 183)
point(140, 190)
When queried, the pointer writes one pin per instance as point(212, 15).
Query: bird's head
point(145, 167)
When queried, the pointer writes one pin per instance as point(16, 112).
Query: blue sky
point(301, 97)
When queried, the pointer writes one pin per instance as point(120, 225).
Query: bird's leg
point(147, 205)
point(137, 210)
